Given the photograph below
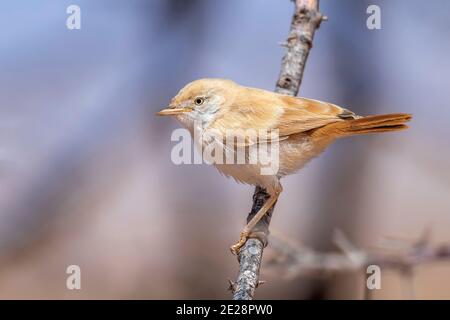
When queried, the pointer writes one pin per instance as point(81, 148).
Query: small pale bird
point(305, 127)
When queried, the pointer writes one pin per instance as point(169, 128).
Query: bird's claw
point(235, 248)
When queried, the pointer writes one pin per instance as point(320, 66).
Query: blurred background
point(85, 171)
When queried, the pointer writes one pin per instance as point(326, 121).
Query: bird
point(210, 108)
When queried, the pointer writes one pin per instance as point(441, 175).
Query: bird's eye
point(199, 101)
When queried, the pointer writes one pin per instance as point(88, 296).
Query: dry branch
point(299, 260)
point(305, 21)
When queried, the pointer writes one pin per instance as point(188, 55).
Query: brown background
point(85, 169)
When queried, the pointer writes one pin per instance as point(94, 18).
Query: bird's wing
point(251, 113)
point(261, 111)
point(301, 114)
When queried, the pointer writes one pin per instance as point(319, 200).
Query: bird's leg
point(252, 223)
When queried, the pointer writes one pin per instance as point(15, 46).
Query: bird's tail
point(369, 124)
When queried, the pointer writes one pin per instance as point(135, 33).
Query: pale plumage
point(305, 128)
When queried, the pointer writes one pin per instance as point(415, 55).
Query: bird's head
point(201, 100)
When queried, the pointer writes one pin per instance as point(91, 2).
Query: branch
point(300, 260)
point(305, 21)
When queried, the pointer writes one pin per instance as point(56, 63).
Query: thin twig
point(305, 21)
point(299, 260)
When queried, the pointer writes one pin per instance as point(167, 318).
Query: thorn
point(260, 282)
point(343, 243)
point(231, 286)
point(324, 18)
point(283, 44)
point(424, 238)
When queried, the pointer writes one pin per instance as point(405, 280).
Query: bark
point(305, 21)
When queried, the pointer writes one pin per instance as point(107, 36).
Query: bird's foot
point(235, 248)
point(245, 235)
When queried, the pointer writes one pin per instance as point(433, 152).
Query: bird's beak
point(172, 111)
